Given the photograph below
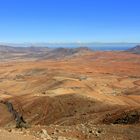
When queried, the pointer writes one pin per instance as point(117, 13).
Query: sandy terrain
point(96, 96)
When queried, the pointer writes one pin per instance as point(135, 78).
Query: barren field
point(88, 97)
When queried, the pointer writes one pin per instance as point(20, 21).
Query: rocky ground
point(79, 132)
point(95, 96)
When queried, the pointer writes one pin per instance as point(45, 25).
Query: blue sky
point(69, 21)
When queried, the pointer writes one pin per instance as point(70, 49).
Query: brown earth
point(96, 96)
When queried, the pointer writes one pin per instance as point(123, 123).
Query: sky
point(69, 21)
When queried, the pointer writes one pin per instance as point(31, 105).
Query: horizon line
point(74, 42)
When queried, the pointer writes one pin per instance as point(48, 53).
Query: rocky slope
point(135, 49)
point(90, 96)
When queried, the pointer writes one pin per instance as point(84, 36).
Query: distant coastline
point(93, 46)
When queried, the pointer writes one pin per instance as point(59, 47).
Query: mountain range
point(37, 53)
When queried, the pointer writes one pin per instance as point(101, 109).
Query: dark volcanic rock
point(20, 122)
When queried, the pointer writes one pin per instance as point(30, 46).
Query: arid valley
point(70, 94)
